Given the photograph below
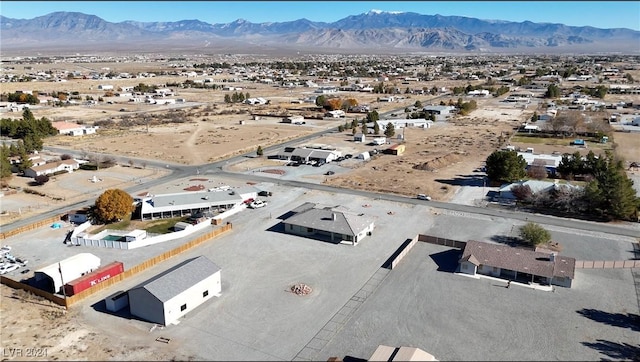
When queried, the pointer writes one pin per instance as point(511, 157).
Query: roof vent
point(333, 216)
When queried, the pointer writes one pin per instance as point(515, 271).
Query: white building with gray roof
point(328, 224)
point(170, 295)
point(189, 203)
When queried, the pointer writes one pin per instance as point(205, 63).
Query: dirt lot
point(36, 329)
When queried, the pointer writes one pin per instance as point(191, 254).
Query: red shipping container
point(95, 277)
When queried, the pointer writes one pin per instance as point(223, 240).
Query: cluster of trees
point(29, 129)
point(144, 88)
point(20, 97)
point(372, 117)
point(466, 107)
point(332, 103)
point(570, 123)
point(608, 193)
point(598, 92)
point(236, 97)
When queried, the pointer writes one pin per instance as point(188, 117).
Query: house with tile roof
point(503, 261)
point(328, 224)
point(170, 295)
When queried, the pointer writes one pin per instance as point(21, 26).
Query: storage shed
point(170, 295)
point(50, 278)
point(117, 301)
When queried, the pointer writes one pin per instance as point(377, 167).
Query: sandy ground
point(34, 329)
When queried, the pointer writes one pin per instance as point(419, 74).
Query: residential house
point(338, 113)
point(522, 265)
point(359, 137)
point(73, 129)
point(256, 101)
point(328, 224)
point(52, 168)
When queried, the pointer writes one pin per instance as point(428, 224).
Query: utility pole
point(64, 292)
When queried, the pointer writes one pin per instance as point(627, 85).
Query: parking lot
point(460, 318)
point(452, 317)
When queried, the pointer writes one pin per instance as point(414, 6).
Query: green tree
point(376, 128)
point(341, 128)
point(259, 151)
point(354, 130)
point(321, 100)
point(506, 166)
point(553, 91)
point(418, 104)
point(5, 164)
point(365, 129)
point(611, 192)
point(227, 98)
point(113, 205)
point(389, 130)
point(534, 117)
point(25, 162)
point(534, 234)
point(373, 116)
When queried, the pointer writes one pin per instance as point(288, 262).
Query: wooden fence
point(601, 264)
point(441, 241)
point(35, 225)
point(402, 251)
point(120, 277)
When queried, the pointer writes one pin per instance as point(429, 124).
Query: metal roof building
point(185, 203)
point(54, 276)
point(170, 295)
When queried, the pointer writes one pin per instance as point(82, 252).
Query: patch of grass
point(163, 226)
point(552, 141)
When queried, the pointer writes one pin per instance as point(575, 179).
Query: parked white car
point(5, 249)
point(256, 204)
point(424, 197)
point(8, 268)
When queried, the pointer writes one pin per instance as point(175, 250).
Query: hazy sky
point(600, 14)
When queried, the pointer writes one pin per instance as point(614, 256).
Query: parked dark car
point(328, 173)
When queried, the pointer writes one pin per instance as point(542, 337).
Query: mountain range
point(374, 31)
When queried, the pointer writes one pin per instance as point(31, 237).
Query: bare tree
point(537, 171)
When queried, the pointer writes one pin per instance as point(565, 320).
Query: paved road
point(181, 171)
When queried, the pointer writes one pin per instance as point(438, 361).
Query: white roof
point(70, 268)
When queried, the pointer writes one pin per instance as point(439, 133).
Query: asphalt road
point(180, 171)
